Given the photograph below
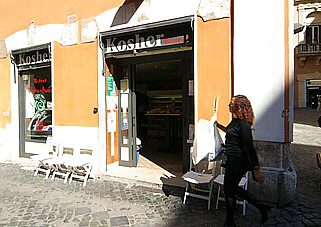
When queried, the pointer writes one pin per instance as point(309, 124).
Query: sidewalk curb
point(130, 182)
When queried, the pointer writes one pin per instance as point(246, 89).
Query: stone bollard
point(279, 186)
point(281, 179)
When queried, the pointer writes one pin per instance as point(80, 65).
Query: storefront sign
point(37, 57)
point(32, 57)
point(137, 42)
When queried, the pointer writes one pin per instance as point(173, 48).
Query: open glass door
point(127, 117)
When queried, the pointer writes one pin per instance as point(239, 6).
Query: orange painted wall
point(5, 91)
point(213, 68)
point(75, 85)
point(16, 14)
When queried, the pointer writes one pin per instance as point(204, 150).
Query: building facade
point(308, 54)
point(105, 74)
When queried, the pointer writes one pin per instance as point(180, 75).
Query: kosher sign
point(137, 42)
point(33, 57)
point(141, 41)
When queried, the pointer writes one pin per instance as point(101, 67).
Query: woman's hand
point(213, 119)
point(258, 176)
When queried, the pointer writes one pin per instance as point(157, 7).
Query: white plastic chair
point(220, 181)
point(81, 166)
point(44, 164)
point(58, 164)
point(194, 180)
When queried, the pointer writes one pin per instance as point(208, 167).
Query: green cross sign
point(111, 86)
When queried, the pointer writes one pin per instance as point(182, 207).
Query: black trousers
point(235, 170)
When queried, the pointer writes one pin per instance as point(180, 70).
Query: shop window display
point(38, 109)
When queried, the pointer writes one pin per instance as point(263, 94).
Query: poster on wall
point(191, 132)
point(124, 102)
point(112, 102)
point(124, 86)
point(124, 154)
point(124, 124)
point(190, 87)
point(111, 121)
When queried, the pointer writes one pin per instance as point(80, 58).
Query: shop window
point(38, 109)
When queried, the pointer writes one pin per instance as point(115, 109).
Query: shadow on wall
point(126, 12)
point(269, 127)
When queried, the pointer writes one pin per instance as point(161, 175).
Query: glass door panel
point(127, 117)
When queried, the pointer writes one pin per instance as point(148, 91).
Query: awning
point(298, 28)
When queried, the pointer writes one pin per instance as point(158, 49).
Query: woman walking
point(241, 157)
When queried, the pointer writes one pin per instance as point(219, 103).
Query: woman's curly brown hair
point(242, 108)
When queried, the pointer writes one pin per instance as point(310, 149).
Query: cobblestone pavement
point(32, 201)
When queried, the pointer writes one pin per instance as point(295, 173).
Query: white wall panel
point(79, 137)
point(259, 63)
point(148, 12)
point(44, 34)
point(3, 139)
point(12, 130)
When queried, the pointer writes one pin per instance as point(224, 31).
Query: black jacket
point(239, 142)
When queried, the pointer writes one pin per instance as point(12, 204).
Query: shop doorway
point(33, 66)
point(313, 88)
point(160, 109)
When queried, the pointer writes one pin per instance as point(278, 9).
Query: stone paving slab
point(32, 201)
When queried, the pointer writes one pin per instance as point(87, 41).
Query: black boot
point(230, 208)
point(264, 209)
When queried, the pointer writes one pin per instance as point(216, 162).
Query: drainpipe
point(232, 46)
point(101, 45)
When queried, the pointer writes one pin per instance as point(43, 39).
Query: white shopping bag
point(218, 145)
point(207, 142)
point(204, 142)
